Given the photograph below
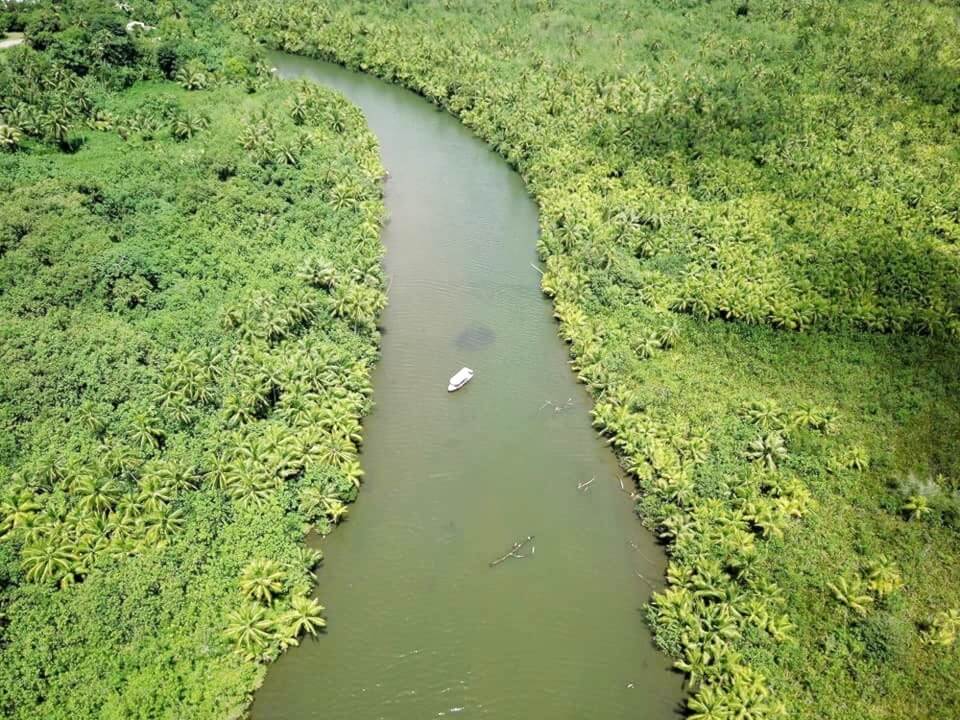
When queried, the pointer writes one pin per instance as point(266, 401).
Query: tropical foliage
point(174, 387)
point(749, 226)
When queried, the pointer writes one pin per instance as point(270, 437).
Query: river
point(420, 626)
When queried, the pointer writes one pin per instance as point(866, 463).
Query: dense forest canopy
point(749, 220)
point(784, 163)
point(189, 282)
point(750, 224)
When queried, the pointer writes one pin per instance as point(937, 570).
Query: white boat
point(463, 376)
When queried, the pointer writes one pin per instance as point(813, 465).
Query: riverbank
point(788, 471)
point(191, 279)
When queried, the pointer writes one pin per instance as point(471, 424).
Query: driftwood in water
point(515, 551)
point(584, 486)
point(633, 495)
point(557, 407)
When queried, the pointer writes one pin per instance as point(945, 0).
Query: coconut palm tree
point(718, 624)
point(301, 307)
point(299, 108)
point(708, 579)
point(17, 511)
point(262, 580)
point(648, 346)
point(709, 703)
point(163, 524)
point(678, 488)
point(56, 127)
point(102, 121)
point(186, 125)
point(126, 520)
point(309, 558)
point(47, 473)
point(858, 458)
point(793, 505)
point(916, 507)
point(808, 416)
point(305, 616)
point(322, 499)
point(92, 537)
point(98, 495)
point(250, 628)
point(27, 118)
point(154, 493)
point(696, 448)
point(336, 511)
point(756, 612)
point(10, 137)
point(238, 409)
point(853, 594)
point(768, 449)
point(92, 418)
point(258, 139)
point(48, 559)
point(293, 408)
point(175, 475)
point(254, 486)
point(314, 499)
point(319, 273)
point(217, 470)
point(339, 419)
point(333, 449)
point(944, 628)
point(765, 515)
point(147, 432)
point(697, 663)
point(764, 413)
point(193, 75)
point(120, 461)
point(286, 152)
point(780, 628)
point(883, 577)
point(342, 301)
point(352, 471)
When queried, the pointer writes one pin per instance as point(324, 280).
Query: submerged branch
point(649, 584)
point(515, 551)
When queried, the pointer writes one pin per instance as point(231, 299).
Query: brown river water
point(420, 626)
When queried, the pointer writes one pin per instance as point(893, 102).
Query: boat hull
point(462, 377)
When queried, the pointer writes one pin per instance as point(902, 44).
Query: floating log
point(581, 486)
point(515, 551)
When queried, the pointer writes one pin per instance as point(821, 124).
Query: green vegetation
point(750, 224)
point(189, 282)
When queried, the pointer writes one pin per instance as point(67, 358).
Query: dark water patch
point(475, 336)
